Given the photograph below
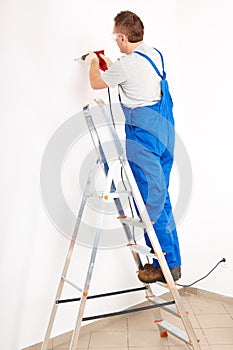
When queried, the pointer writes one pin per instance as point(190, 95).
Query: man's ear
point(124, 39)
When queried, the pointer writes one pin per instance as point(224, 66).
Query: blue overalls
point(150, 138)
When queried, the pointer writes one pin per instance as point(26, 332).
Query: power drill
point(102, 63)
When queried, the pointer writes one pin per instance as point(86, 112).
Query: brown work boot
point(148, 266)
point(152, 274)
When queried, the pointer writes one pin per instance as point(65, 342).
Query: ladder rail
point(67, 260)
point(149, 227)
point(75, 335)
point(105, 166)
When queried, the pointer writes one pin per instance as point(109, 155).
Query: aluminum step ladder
point(175, 306)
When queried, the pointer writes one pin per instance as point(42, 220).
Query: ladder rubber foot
point(164, 334)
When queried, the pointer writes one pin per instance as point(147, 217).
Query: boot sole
point(161, 279)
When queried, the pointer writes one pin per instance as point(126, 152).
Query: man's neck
point(132, 46)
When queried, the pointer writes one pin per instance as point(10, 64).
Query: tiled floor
point(211, 318)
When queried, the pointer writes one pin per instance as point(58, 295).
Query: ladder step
point(177, 332)
point(110, 195)
point(144, 250)
point(116, 194)
point(131, 221)
point(169, 308)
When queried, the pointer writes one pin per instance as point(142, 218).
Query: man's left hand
point(91, 56)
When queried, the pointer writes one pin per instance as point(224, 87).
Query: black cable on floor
point(200, 279)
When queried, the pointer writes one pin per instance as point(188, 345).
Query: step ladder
point(175, 306)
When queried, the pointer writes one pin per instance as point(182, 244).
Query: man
point(149, 128)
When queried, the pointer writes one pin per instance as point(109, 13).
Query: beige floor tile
point(62, 339)
point(83, 343)
point(215, 321)
point(184, 347)
point(221, 347)
point(84, 340)
point(146, 338)
point(206, 306)
point(145, 313)
point(96, 325)
point(158, 347)
point(38, 346)
point(229, 307)
point(108, 339)
point(217, 336)
point(141, 324)
point(181, 347)
point(114, 325)
point(64, 346)
point(124, 348)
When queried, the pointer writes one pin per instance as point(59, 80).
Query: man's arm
point(96, 80)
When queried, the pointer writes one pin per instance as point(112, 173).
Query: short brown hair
point(129, 24)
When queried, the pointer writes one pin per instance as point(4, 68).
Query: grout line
point(127, 329)
point(89, 340)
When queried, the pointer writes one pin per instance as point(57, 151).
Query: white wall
point(42, 87)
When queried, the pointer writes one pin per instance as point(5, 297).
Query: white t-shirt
point(139, 84)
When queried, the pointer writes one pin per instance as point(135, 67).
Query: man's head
point(129, 30)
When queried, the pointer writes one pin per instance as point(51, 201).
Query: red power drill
point(102, 63)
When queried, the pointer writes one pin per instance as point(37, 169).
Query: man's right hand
point(107, 60)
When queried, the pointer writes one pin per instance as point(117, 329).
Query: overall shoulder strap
point(153, 64)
